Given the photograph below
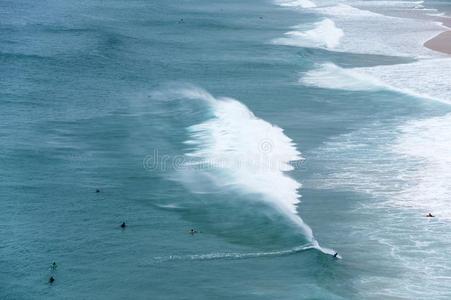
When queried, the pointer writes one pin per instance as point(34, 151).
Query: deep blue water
point(85, 104)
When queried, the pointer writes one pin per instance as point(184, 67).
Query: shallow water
point(128, 98)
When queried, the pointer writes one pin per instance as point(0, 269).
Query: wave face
point(236, 150)
point(324, 35)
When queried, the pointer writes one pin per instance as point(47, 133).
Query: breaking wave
point(235, 151)
point(324, 35)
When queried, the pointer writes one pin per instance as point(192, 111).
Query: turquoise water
point(125, 97)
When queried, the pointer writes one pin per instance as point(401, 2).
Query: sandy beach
point(442, 41)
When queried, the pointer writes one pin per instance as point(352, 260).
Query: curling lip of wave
point(324, 35)
point(250, 152)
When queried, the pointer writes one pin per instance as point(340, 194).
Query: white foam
point(296, 3)
point(383, 4)
point(427, 142)
point(324, 35)
point(344, 10)
point(248, 255)
point(438, 14)
point(331, 76)
point(408, 166)
point(357, 30)
point(424, 78)
point(232, 255)
point(406, 170)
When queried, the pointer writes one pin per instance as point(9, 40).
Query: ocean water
point(283, 131)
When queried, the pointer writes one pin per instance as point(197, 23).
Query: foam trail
point(358, 30)
point(231, 255)
point(324, 35)
point(419, 79)
point(243, 153)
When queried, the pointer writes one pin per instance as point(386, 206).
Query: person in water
point(192, 231)
point(54, 266)
point(123, 225)
point(429, 215)
point(51, 279)
point(97, 191)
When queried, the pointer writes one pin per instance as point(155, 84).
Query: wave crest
point(324, 35)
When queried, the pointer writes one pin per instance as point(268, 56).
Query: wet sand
point(441, 42)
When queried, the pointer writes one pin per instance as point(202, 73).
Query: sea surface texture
point(281, 132)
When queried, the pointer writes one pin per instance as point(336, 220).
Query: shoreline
point(442, 41)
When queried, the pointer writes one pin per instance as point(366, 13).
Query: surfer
point(123, 225)
point(192, 231)
point(429, 215)
point(336, 255)
point(54, 266)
